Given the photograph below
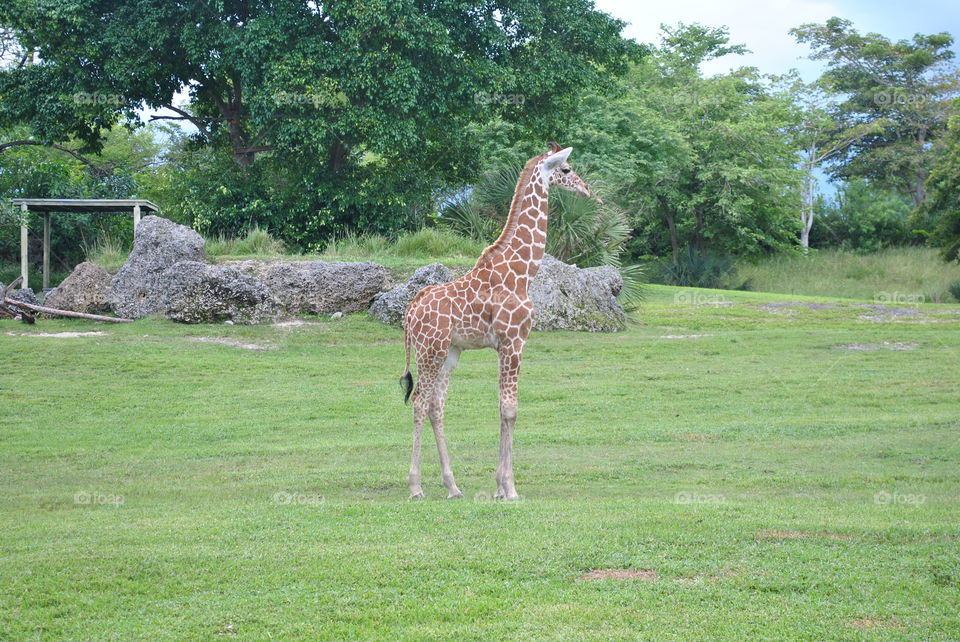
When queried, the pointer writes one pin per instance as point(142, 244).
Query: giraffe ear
point(555, 160)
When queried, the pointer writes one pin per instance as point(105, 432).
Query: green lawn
point(760, 479)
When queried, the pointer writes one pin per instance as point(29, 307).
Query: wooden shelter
point(51, 205)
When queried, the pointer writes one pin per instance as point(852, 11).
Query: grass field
point(729, 467)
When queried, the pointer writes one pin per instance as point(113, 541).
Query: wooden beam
point(23, 243)
point(46, 250)
point(136, 217)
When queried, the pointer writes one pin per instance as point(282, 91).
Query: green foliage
point(902, 89)
point(863, 217)
point(107, 251)
point(954, 289)
point(696, 161)
point(427, 243)
point(256, 242)
point(697, 269)
point(317, 118)
point(940, 213)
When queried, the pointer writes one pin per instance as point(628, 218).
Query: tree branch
point(103, 171)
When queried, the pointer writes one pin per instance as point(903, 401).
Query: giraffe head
point(558, 172)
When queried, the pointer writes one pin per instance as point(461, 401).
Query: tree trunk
point(674, 241)
point(806, 211)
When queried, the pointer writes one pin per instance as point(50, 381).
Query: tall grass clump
point(425, 243)
point(892, 274)
point(106, 251)
point(256, 242)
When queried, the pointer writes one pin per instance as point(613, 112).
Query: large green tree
point(336, 95)
point(703, 162)
point(902, 90)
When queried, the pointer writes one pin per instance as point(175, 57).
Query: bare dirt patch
point(870, 622)
point(884, 314)
point(233, 343)
point(58, 335)
point(779, 534)
point(872, 347)
point(645, 574)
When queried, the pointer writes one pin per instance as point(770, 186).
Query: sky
point(764, 25)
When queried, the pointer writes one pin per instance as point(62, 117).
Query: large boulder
point(138, 289)
point(319, 287)
point(195, 292)
point(566, 297)
point(390, 306)
point(87, 289)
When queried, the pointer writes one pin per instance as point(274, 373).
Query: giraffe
point(488, 307)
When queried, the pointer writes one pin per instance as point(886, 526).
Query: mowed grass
point(905, 275)
point(758, 477)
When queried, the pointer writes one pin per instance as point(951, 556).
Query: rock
point(87, 289)
point(566, 297)
point(319, 287)
point(336, 315)
point(390, 306)
point(195, 292)
point(23, 294)
point(137, 290)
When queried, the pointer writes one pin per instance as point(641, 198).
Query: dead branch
point(65, 313)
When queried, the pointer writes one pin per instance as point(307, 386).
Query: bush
point(697, 269)
point(955, 289)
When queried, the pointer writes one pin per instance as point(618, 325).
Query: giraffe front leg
point(509, 373)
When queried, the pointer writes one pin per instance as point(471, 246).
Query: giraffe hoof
point(456, 495)
point(419, 495)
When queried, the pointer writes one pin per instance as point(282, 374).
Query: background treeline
point(315, 123)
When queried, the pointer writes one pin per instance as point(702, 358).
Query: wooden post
point(46, 250)
point(136, 217)
point(23, 244)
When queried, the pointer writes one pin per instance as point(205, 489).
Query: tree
point(902, 88)
point(821, 139)
point(702, 162)
point(942, 207)
point(334, 94)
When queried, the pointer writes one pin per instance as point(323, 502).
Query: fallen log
point(64, 313)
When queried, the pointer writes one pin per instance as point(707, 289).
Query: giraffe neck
point(519, 249)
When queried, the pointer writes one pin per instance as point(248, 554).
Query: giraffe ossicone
point(488, 307)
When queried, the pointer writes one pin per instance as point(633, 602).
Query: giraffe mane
point(511, 225)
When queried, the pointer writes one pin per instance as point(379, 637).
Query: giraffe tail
point(406, 381)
